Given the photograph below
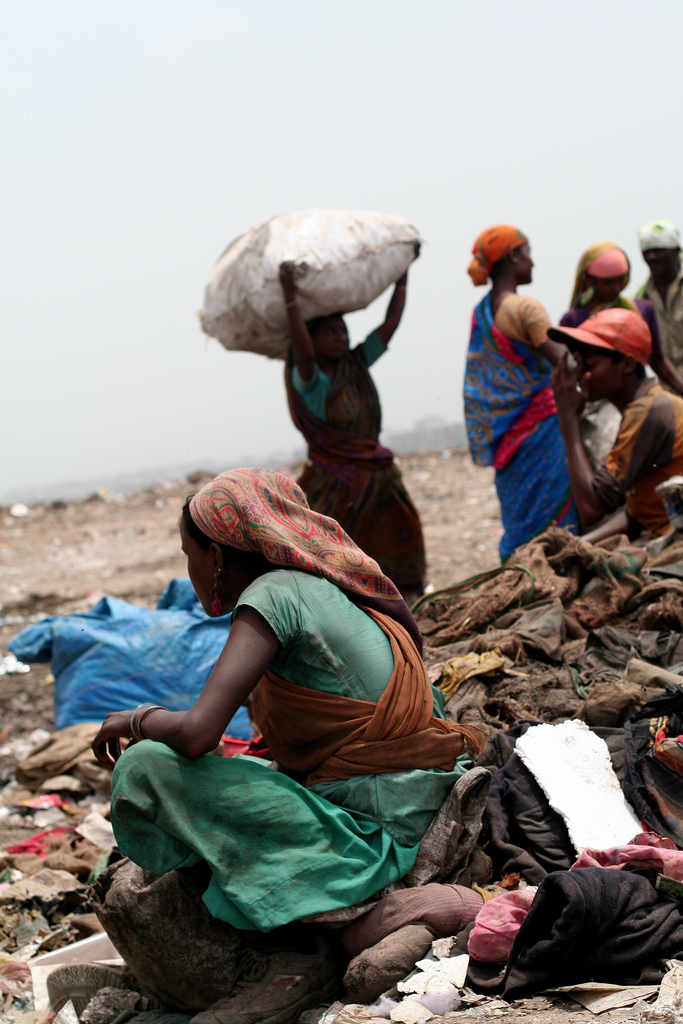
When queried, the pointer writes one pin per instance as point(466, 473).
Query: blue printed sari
point(512, 424)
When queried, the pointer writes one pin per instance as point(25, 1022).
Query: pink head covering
point(612, 263)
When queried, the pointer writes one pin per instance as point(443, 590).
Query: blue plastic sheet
point(119, 655)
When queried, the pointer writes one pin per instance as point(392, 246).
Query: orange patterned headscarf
point(265, 512)
point(491, 246)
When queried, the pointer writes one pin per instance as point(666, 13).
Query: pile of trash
point(552, 634)
point(551, 877)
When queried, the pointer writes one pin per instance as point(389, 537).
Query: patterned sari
point(353, 479)
point(512, 424)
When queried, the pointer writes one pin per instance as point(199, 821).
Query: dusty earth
point(62, 557)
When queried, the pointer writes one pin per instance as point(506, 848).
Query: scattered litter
point(382, 1008)
point(97, 830)
point(18, 510)
point(436, 975)
point(441, 948)
point(457, 670)
point(11, 666)
point(409, 1011)
point(598, 997)
point(46, 883)
point(19, 749)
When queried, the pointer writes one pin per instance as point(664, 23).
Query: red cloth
point(40, 842)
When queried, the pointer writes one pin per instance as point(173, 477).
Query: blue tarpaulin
point(118, 655)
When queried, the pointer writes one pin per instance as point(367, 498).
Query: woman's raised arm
point(302, 344)
point(249, 650)
point(396, 306)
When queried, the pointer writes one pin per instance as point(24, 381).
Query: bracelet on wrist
point(134, 714)
point(137, 716)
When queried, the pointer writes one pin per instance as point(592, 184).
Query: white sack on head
point(344, 260)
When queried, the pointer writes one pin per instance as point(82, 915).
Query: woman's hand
point(106, 746)
point(287, 280)
point(570, 388)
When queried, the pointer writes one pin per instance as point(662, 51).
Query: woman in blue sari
point(510, 410)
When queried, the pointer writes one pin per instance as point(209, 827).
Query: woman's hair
point(251, 561)
point(313, 325)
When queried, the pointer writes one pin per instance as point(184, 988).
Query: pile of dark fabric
point(569, 618)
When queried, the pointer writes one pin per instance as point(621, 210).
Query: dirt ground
point(62, 557)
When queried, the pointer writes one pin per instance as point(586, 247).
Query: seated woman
point(334, 403)
point(510, 410)
point(329, 650)
point(601, 276)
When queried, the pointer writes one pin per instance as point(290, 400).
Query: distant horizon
point(428, 434)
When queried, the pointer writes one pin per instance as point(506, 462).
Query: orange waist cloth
point(325, 736)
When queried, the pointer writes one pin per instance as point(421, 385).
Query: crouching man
point(612, 349)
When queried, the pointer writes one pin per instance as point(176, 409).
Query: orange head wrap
point(491, 246)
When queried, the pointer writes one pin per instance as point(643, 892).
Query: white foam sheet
point(573, 768)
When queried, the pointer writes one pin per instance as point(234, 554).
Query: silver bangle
point(133, 715)
point(143, 716)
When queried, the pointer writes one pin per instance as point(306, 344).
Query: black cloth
point(654, 789)
point(593, 924)
point(526, 834)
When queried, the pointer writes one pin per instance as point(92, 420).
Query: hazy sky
point(140, 136)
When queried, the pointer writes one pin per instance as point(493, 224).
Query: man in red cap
point(612, 349)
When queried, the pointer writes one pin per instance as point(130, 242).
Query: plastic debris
point(11, 666)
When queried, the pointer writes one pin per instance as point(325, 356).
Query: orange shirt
point(648, 450)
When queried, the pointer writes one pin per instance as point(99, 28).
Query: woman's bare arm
point(666, 371)
point(553, 352)
point(302, 344)
point(249, 650)
point(622, 522)
point(395, 309)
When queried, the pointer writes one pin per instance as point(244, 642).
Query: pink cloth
point(444, 908)
point(647, 850)
point(612, 263)
point(497, 923)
